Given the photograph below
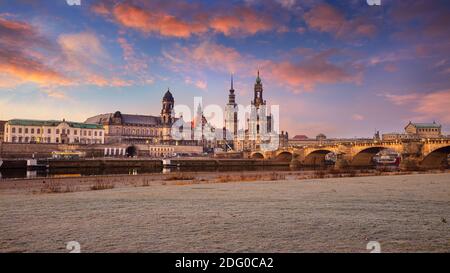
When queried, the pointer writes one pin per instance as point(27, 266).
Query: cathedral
point(138, 129)
point(257, 125)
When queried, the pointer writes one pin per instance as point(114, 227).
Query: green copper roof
point(53, 123)
point(426, 125)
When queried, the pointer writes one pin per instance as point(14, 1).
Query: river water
point(74, 172)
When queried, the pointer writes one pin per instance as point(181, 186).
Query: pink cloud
point(435, 106)
point(298, 76)
point(402, 99)
point(358, 117)
point(326, 18)
point(177, 20)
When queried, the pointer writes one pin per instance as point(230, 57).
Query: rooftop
point(425, 125)
point(53, 123)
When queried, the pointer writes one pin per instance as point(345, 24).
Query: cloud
point(19, 61)
point(26, 56)
point(317, 69)
point(327, 18)
point(430, 106)
point(56, 94)
point(81, 50)
point(24, 69)
point(401, 99)
point(243, 21)
point(391, 68)
point(201, 84)
point(157, 22)
point(299, 76)
point(207, 55)
point(358, 117)
point(182, 20)
point(435, 106)
point(137, 65)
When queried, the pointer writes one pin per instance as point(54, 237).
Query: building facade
point(424, 130)
point(2, 130)
point(416, 130)
point(52, 131)
point(259, 126)
point(138, 129)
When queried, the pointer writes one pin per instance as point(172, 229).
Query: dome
point(168, 96)
point(117, 114)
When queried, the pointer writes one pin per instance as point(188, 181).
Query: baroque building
point(138, 129)
point(259, 127)
point(52, 131)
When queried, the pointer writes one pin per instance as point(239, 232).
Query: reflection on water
point(74, 172)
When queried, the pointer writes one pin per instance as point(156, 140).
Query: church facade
point(258, 126)
point(138, 129)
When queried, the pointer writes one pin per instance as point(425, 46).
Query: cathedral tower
point(258, 99)
point(231, 113)
point(167, 108)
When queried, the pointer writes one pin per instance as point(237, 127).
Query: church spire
point(231, 96)
point(258, 79)
point(231, 81)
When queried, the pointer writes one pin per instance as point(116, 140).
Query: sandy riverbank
point(403, 212)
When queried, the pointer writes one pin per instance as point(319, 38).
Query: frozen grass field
point(405, 213)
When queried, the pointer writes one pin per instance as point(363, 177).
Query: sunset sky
point(342, 68)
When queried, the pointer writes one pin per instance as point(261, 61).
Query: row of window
point(428, 130)
point(143, 132)
point(20, 139)
point(49, 131)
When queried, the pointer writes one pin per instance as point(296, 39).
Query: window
point(90, 133)
point(100, 133)
point(26, 130)
point(95, 133)
point(68, 131)
point(63, 131)
point(20, 139)
point(13, 130)
point(49, 131)
point(38, 131)
point(85, 133)
point(75, 132)
point(57, 140)
point(57, 131)
point(20, 130)
point(32, 130)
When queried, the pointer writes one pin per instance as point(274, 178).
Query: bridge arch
point(436, 158)
point(284, 156)
point(316, 157)
point(257, 155)
point(365, 156)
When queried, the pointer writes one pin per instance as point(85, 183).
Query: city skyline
point(380, 68)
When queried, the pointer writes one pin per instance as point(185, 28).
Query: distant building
point(52, 131)
point(300, 137)
point(2, 130)
point(395, 136)
point(424, 130)
point(321, 137)
point(416, 130)
point(138, 129)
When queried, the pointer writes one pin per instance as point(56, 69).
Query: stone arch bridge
point(421, 153)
